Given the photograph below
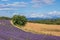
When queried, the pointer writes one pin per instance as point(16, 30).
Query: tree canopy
point(19, 20)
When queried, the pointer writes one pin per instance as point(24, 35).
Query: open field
point(10, 32)
point(42, 29)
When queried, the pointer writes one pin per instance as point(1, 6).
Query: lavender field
point(9, 32)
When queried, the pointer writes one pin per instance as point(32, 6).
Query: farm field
point(9, 32)
point(42, 29)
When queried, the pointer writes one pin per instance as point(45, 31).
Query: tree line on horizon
point(5, 18)
point(22, 20)
point(47, 21)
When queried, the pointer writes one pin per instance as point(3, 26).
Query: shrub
point(19, 20)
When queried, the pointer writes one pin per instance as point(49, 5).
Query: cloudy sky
point(30, 8)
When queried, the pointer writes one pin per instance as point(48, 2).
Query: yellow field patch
point(41, 29)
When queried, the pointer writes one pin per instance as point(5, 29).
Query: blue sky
point(30, 8)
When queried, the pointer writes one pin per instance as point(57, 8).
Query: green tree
point(19, 20)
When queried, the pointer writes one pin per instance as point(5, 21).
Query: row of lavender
point(9, 32)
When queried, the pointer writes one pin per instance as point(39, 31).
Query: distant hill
point(5, 18)
point(45, 21)
point(35, 18)
point(42, 18)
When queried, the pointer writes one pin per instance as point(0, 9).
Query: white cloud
point(54, 13)
point(43, 1)
point(38, 3)
point(18, 4)
point(4, 0)
point(13, 6)
point(35, 3)
point(46, 15)
point(40, 15)
point(8, 9)
point(48, 1)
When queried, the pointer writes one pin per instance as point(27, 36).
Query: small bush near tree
point(19, 20)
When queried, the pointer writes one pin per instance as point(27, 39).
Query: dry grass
point(42, 29)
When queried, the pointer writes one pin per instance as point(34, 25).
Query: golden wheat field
point(41, 29)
